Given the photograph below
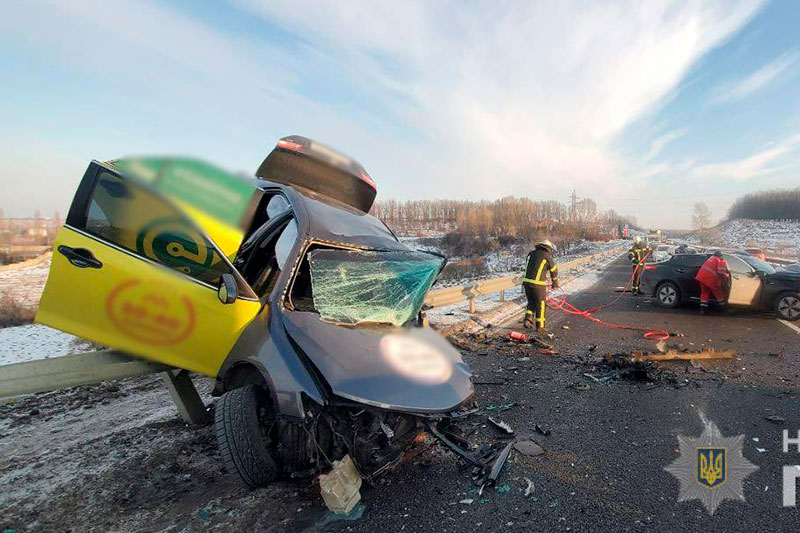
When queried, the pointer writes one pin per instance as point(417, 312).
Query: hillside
point(776, 237)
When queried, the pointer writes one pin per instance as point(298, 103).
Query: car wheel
point(242, 440)
point(787, 306)
point(668, 295)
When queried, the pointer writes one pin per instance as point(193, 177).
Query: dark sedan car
point(755, 284)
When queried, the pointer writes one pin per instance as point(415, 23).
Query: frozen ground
point(780, 238)
point(508, 261)
point(24, 282)
point(34, 341)
point(451, 314)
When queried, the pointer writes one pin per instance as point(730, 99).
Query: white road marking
point(789, 324)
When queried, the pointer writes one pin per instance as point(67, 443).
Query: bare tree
point(701, 220)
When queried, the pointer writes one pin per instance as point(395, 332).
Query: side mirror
point(227, 291)
point(759, 274)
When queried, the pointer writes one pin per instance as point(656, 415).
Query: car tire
point(787, 306)
point(242, 442)
point(668, 295)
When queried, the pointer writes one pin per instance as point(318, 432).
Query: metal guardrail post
point(184, 394)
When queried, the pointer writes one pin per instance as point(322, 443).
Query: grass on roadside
point(12, 313)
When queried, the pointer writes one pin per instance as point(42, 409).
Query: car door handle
point(681, 270)
point(79, 257)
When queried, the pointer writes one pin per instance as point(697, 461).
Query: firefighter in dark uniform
point(637, 254)
point(539, 263)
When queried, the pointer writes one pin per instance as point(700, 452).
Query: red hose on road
point(555, 302)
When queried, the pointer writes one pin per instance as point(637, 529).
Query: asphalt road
point(117, 457)
point(603, 467)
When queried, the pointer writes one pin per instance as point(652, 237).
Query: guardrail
point(453, 295)
point(55, 373)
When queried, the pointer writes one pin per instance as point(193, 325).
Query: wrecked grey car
point(303, 308)
point(337, 361)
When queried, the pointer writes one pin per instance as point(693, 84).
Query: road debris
point(516, 336)
point(497, 467)
point(694, 367)
point(340, 488)
point(539, 429)
point(670, 355)
point(498, 408)
point(529, 488)
point(502, 427)
point(529, 448)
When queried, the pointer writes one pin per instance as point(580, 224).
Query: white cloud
point(658, 144)
point(474, 99)
point(522, 90)
point(756, 165)
point(755, 81)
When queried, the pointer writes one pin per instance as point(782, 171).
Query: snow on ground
point(509, 261)
point(780, 238)
point(24, 282)
point(34, 341)
point(451, 314)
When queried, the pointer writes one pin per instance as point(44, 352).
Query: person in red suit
point(714, 279)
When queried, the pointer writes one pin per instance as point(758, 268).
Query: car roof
point(334, 221)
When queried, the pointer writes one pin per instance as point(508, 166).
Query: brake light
point(290, 145)
point(367, 179)
point(650, 267)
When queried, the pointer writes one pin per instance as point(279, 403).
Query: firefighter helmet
point(546, 244)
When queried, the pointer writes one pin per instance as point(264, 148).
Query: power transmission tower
point(573, 209)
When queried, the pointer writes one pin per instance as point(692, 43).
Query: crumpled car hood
point(412, 370)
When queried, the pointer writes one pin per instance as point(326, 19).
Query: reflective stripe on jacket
point(637, 254)
point(538, 264)
point(713, 272)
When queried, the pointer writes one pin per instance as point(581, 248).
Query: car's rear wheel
point(242, 438)
point(668, 295)
point(787, 306)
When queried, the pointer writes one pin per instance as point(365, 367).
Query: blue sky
point(646, 107)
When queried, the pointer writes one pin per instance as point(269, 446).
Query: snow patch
point(34, 341)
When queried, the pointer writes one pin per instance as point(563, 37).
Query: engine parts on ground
point(341, 487)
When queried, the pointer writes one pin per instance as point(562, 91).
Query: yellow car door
point(132, 272)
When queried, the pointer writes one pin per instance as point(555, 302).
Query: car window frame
point(737, 258)
point(77, 218)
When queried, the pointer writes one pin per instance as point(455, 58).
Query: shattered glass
point(353, 287)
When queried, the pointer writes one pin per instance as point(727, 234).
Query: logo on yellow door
point(173, 242)
point(150, 312)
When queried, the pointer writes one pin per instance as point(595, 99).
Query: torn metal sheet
point(502, 427)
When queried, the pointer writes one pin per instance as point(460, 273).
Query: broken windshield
point(353, 287)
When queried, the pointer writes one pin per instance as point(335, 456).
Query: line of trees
point(779, 204)
point(521, 218)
